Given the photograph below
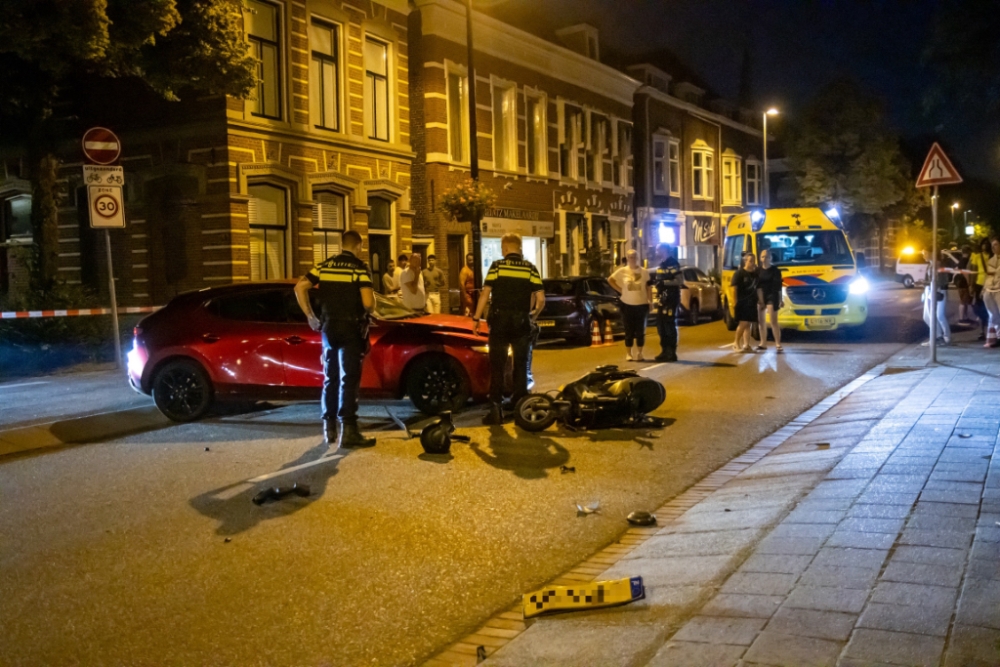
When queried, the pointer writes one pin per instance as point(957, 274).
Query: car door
point(693, 289)
point(303, 347)
point(709, 291)
point(243, 338)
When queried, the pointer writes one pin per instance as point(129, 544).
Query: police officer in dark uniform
point(346, 298)
point(668, 282)
point(513, 288)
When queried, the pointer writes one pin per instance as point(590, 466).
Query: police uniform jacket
point(512, 280)
point(668, 271)
point(341, 279)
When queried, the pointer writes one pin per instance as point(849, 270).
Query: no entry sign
point(101, 145)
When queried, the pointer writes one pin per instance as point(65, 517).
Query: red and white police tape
point(73, 312)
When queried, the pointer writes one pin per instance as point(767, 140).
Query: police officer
point(668, 282)
point(346, 298)
point(513, 288)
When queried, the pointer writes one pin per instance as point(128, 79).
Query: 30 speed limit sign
point(106, 210)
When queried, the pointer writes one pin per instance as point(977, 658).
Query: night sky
point(796, 47)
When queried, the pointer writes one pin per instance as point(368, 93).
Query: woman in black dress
point(769, 299)
point(745, 282)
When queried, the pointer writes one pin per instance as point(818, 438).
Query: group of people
point(416, 287)
point(976, 277)
point(758, 300)
point(635, 285)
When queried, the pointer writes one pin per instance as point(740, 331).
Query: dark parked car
point(573, 303)
point(252, 341)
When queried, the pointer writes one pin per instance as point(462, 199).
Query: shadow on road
point(527, 455)
point(232, 505)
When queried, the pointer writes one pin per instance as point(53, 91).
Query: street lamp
point(954, 229)
point(965, 215)
point(767, 183)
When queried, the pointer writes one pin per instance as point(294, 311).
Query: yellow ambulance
point(823, 287)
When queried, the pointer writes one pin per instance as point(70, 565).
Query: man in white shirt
point(400, 267)
point(632, 282)
point(411, 284)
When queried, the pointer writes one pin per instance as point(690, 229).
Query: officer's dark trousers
point(513, 333)
point(666, 326)
point(343, 353)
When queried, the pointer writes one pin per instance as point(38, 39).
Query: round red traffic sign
point(106, 206)
point(101, 145)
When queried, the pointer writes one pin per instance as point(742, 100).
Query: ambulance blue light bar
point(834, 215)
point(757, 220)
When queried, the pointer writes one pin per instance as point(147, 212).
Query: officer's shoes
point(666, 358)
point(330, 432)
point(495, 416)
point(351, 438)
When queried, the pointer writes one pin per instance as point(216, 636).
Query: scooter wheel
point(534, 413)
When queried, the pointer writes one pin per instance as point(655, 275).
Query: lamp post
point(954, 229)
point(767, 181)
point(477, 245)
point(965, 215)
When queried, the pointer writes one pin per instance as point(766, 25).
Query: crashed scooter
point(608, 397)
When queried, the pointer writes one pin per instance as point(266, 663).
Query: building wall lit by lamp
point(667, 234)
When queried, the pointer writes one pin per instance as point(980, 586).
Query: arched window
point(268, 216)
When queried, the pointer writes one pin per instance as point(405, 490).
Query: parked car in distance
point(911, 268)
point(252, 341)
point(573, 303)
point(699, 296)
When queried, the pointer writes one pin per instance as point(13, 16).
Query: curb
point(507, 625)
point(81, 430)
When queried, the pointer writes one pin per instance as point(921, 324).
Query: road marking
point(279, 473)
point(22, 384)
point(649, 368)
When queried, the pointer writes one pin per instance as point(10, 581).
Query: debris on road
point(822, 445)
point(566, 469)
point(279, 492)
point(436, 437)
point(642, 518)
point(965, 435)
point(586, 596)
point(206, 449)
point(588, 509)
point(227, 540)
point(480, 653)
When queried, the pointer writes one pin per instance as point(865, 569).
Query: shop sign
point(705, 231)
point(500, 221)
point(512, 213)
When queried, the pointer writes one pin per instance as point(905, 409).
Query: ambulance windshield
point(806, 248)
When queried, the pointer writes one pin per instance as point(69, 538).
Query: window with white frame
point(324, 78)
point(661, 173)
point(537, 149)
point(376, 89)
point(268, 218)
point(262, 20)
point(328, 225)
point(732, 180)
point(571, 143)
point(753, 182)
point(674, 167)
point(622, 169)
point(504, 127)
point(702, 171)
point(597, 148)
point(458, 115)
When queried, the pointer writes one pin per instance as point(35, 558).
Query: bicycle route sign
point(104, 195)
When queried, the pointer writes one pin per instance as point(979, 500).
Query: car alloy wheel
point(182, 391)
point(436, 384)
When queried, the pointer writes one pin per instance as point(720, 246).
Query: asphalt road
point(147, 549)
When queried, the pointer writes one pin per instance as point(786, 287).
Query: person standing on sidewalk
point(745, 284)
point(401, 262)
point(345, 290)
point(389, 285)
point(632, 282)
point(467, 283)
point(961, 283)
point(668, 282)
point(977, 278)
point(944, 328)
point(769, 301)
point(991, 294)
point(433, 282)
point(411, 285)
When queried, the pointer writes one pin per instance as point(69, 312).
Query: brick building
point(698, 163)
point(221, 190)
point(554, 139)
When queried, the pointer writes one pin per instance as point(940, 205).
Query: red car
point(251, 341)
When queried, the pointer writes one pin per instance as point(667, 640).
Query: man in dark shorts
point(769, 300)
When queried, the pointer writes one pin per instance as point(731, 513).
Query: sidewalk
point(867, 532)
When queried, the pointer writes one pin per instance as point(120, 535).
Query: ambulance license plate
point(546, 323)
point(821, 322)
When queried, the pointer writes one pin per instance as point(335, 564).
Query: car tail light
point(137, 331)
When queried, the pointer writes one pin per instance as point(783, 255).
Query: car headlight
point(859, 285)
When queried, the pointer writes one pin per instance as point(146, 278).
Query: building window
point(660, 173)
point(571, 143)
point(458, 116)
point(268, 217)
point(262, 29)
point(702, 183)
point(753, 183)
point(504, 128)
point(597, 149)
point(380, 216)
point(537, 135)
point(622, 165)
point(328, 225)
point(732, 180)
point(674, 170)
point(324, 89)
point(376, 90)
point(16, 221)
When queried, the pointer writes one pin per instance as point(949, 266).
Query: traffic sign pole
point(934, 275)
point(114, 302)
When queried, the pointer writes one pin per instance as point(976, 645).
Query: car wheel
point(908, 282)
point(182, 390)
point(693, 314)
point(728, 318)
point(437, 383)
point(534, 413)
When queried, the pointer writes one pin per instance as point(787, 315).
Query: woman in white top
point(632, 282)
point(991, 294)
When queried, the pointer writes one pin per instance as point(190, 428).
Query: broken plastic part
point(590, 508)
point(566, 469)
point(641, 518)
point(279, 492)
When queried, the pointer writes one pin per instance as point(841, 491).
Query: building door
point(456, 260)
point(379, 252)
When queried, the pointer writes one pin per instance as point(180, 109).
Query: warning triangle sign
point(938, 169)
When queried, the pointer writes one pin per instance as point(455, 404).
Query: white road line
point(279, 473)
point(649, 368)
point(22, 384)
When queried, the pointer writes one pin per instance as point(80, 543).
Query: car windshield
point(806, 248)
point(559, 288)
point(391, 309)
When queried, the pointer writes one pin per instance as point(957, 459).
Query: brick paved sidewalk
point(869, 537)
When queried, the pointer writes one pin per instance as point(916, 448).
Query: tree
point(48, 47)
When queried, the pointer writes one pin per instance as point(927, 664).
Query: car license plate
point(546, 323)
point(821, 322)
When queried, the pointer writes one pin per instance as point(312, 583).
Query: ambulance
point(823, 288)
